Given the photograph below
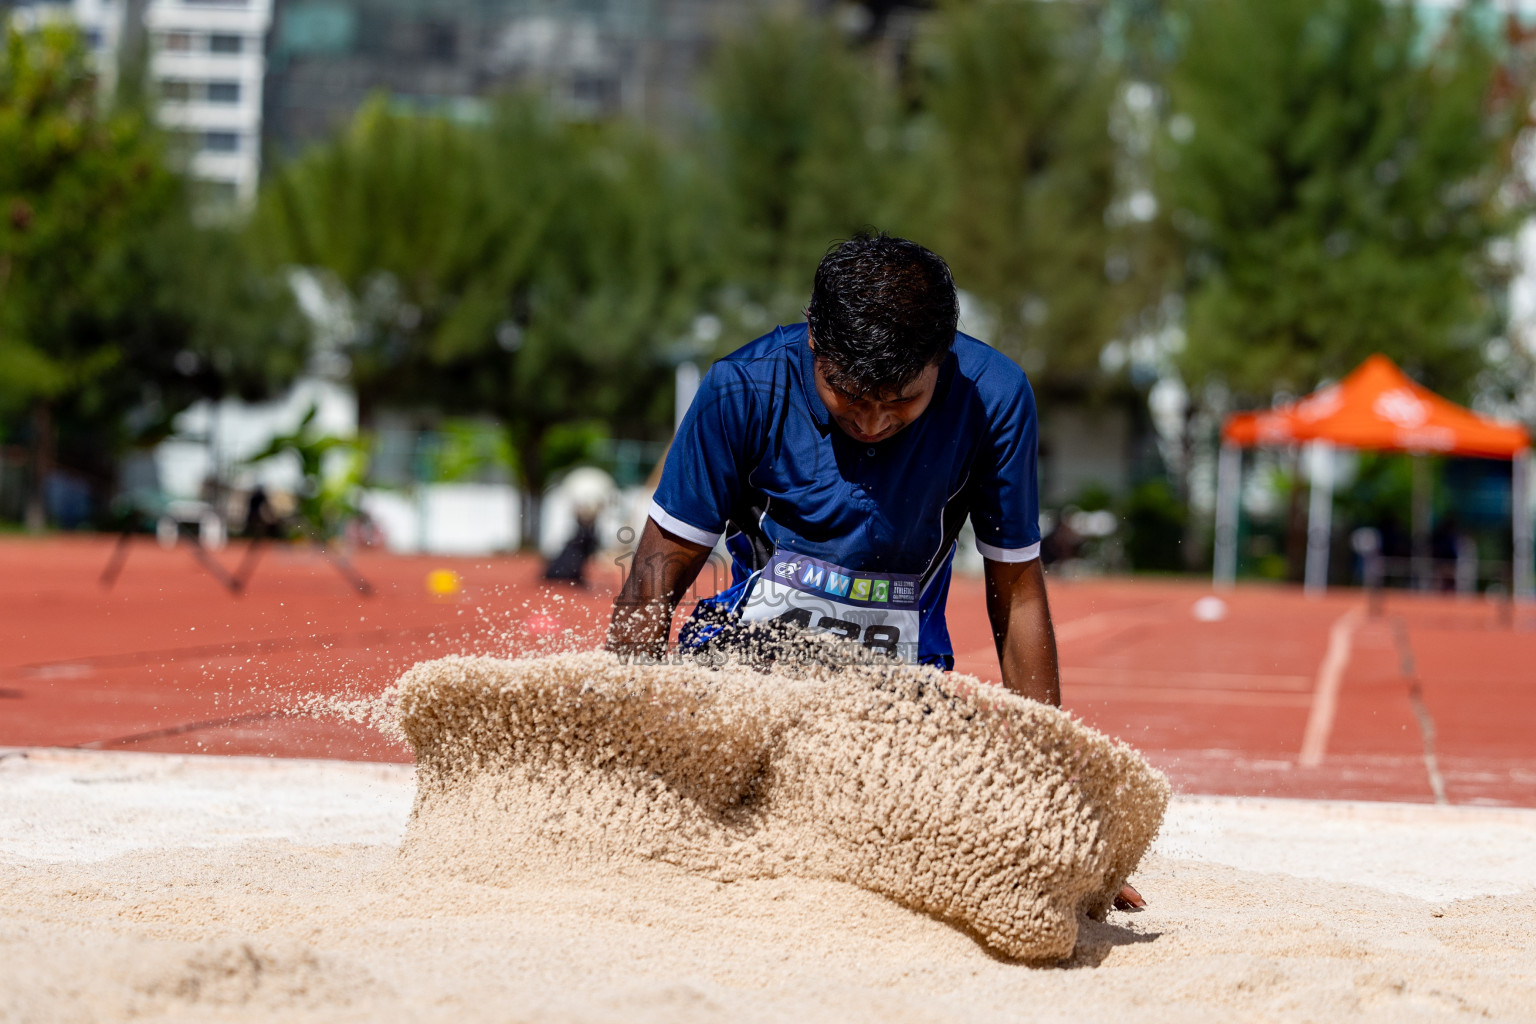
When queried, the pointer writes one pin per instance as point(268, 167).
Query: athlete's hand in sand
point(663, 569)
point(1129, 899)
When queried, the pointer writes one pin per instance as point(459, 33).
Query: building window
point(221, 142)
point(223, 92)
point(179, 41)
point(176, 90)
point(223, 42)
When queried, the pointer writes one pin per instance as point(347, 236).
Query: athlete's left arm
point(1026, 646)
point(1021, 628)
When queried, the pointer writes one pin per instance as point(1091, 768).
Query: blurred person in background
point(589, 491)
point(1062, 544)
point(570, 564)
point(262, 521)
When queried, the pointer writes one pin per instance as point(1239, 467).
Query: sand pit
point(272, 891)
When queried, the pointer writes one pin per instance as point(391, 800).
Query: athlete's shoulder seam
point(977, 355)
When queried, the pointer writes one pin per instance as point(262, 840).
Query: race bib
point(878, 610)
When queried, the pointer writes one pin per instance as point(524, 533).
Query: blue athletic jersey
point(759, 459)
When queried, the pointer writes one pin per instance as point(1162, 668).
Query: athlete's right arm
point(664, 567)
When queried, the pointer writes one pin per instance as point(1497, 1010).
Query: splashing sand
point(999, 815)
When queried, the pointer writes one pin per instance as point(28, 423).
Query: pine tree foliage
point(1016, 183)
point(803, 145)
point(1339, 174)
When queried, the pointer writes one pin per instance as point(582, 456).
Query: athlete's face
point(869, 418)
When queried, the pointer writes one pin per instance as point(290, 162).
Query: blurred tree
point(405, 216)
point(1339, 174)
point(535, 270)
point(75, 181)
point(1154, 524)
point(803, 144)
point(116, 309)
point(470, 449)
point(590, 335)
point(1020, 180)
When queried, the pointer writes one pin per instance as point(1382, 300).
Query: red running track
point(1434, 698)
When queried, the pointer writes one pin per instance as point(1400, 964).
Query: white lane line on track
point(1409, 669)
point(1325, 695)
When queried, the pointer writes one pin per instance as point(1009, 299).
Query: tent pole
point(1319, 518)
point(1520, 504)
point(1229, 471)
point(1421, 525)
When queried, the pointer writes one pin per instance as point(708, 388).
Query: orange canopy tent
point(1379, 408)
point(1376, 408)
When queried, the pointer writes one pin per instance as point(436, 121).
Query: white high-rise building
point(206, 67)
point(207, 62)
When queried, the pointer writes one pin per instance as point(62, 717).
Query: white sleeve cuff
point(1025, 554)
point(673, 525)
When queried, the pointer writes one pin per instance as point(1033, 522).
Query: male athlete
point(839, 458)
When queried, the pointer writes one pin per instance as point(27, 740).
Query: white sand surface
point(148, 887)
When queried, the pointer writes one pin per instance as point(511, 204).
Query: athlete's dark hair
point(882, 309)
